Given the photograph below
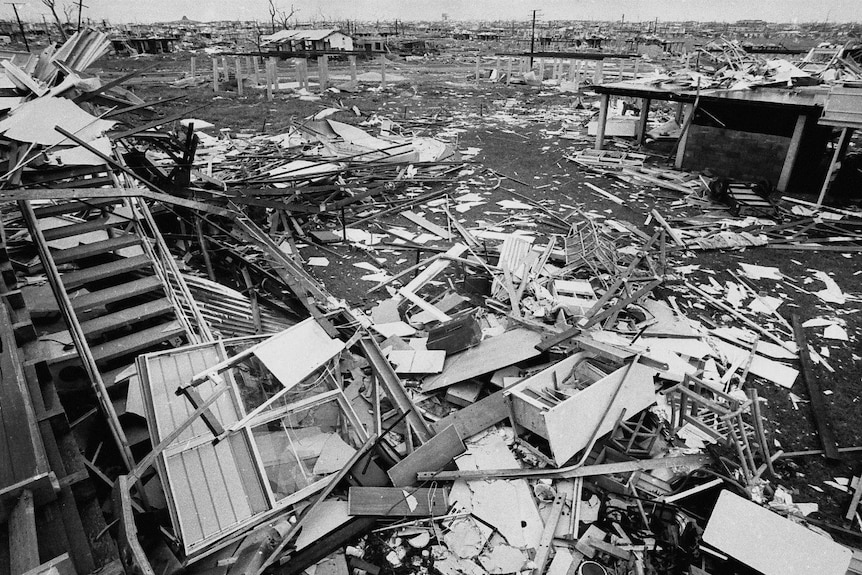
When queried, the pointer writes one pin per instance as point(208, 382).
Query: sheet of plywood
point(298, 351)
point(769, 543)
point(490, 355)
point(476, 417)
point(329, 516)
point(433, 455)
point(417, 361)
point(34, 122)
point(396, 502)
point(571, 424)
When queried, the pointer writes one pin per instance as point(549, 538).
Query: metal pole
point(533, 39)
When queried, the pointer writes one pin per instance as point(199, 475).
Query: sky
point(142, 11)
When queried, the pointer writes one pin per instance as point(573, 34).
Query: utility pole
point(533, 39)
point(80, 7)
point(20, 25)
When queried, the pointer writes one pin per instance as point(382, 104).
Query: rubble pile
point(549, 388)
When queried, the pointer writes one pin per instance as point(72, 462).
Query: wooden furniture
point(568, 417)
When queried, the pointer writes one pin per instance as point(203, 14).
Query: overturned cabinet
point(278, 429)
point(580, 398)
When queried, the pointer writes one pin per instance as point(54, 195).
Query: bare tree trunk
point(51, 4)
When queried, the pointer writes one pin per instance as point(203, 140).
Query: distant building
point(307, 40)
point(152, 45)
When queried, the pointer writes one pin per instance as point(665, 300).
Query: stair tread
point(95, 248)
point(41, 302)
point(127, 344)
point(74, 206)
point(118, 319)
point(126, 317)
point(77, 278)
point(78, 228)
point(115, 293)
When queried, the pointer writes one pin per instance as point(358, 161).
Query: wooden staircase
point(117, 289)
point(116, 295)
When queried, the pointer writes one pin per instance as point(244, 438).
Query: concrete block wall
point(735, 154)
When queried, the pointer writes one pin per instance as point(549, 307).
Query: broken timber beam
point(386, 375)
point(568, 472)
point(815, 393)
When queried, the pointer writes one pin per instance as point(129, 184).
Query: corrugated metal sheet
point(229, 312)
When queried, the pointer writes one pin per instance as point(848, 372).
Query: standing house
point(322, 40)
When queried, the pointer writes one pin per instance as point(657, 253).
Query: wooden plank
point(840, 149)
point(544, 549)
point(78, 278)
point(477, 417)
point(572, 471)
point(432, 456)
point(490, 355)
point(60, 565)
point(131, 553)
point(396, 502)
point(792, 153)
point(596, 408)
point(23, 544)
point(854, 502)
point(424, 305)
point(74, 206)
point(387, 377)
point(430, 226)
point(96, 248)
point(769, 543)
point(433, 270)
point(22, 456)
point(815, 394)
point(77, 229)
point(40, 304)
point(44, 488)
point(417, 361)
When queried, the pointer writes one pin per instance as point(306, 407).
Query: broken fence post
point(817, 400)
point(273, 73)
point(351, 60)
point(268, 75)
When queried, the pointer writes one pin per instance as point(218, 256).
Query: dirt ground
point(528, 151)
